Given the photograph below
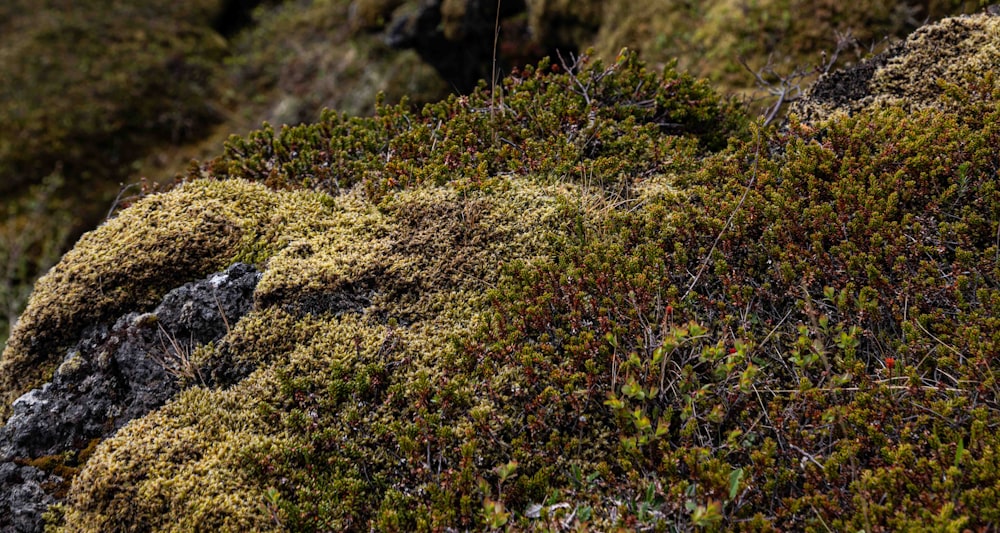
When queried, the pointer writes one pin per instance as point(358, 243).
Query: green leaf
point(613, 402)
point(734, 482)
point(959, 452)
point(662, 427)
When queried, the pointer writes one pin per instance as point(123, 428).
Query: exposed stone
point(112, 375)
point(454, 36)
point(23, 498)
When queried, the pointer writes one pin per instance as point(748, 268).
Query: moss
point(711, 39)
point(591, 320)
point(944, 59)
point(131, 261)
point(301, 352)
point(182, 479)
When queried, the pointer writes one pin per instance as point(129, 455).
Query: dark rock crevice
point(235, 16)
point(458, 43)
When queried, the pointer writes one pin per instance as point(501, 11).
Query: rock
point(111, 376)
point(24, 498)
point(455, 37)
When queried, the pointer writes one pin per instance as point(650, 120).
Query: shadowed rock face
point(112, 375)
point(456, 38)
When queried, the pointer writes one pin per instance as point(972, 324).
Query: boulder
point(114, 374)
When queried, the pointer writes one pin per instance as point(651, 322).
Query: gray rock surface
point(112, 375)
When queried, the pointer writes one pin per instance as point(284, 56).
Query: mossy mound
point(712, 38)
point(131, 261)
point(950, 57)
point(600, 301)
point(326, 304)
point(384, 261)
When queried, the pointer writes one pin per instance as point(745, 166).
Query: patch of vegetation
point(619, 122)
point(775, 38)
point(300, 58)
point(101, 94)
point(131, 261)
point(90, 86)
point(389, 273)
point(598, 299)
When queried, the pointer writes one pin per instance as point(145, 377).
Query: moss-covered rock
point(131, 261)
point(386, 266)
point(597, 300)
point(949, 58)
point(387, 301)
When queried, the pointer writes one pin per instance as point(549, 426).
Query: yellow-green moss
point(131, 261)
point(710, 39)
point(954, 52)
point(173, 470)
point(940, 65)
point(425, 257)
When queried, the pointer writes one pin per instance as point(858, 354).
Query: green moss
point(471, 320)
point(711, 39)
point(941, 65)
point(424, 273)
point(131, 261)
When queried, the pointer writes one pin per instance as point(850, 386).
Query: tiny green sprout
point(507, 471)
point(707, 515)
point(613, 402)
point(640, 420)
point(612, 339)
point(633, 390)
point(747, 378)
point(829, 293)
point(495, 514)
point(629, 444)
point(696, 330)
point(658, 354)
point(662, 427)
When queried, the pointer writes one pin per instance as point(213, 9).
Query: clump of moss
point(131, 261)
point(711, 39)
point(376, 289)
point(782, 341)
point(950, 58)
point(300, 341)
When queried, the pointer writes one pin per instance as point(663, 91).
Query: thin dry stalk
point(493, 73)
point(176, 358)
